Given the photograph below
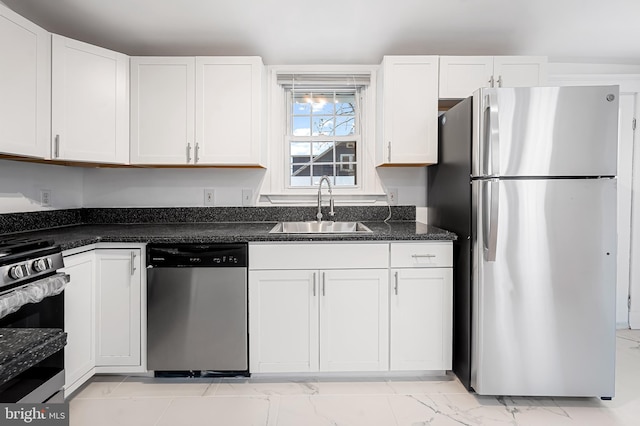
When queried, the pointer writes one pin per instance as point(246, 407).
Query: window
point(323, 137)
point(321, 122)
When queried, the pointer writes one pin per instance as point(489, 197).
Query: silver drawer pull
point(417, 256)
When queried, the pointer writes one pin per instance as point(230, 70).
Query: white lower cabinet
point(79, 323)
point(347, 307)
point(421, 300)
point(283, 321)
point(354, 321)
point(318, 319)
point(118, 308)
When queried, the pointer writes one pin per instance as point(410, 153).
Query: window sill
point(311, 199)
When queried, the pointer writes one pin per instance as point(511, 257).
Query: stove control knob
point(16, 272)
point(41, 265)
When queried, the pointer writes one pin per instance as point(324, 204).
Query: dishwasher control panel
point(197, 255)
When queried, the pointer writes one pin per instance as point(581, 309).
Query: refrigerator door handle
point(491, 155)
point(490, 206)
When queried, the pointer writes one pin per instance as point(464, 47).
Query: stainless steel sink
point(315, 227)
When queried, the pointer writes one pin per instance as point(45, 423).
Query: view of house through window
point(323, 136)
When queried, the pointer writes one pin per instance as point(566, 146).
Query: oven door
point(22, 337)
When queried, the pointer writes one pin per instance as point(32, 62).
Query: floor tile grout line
point(164, 412)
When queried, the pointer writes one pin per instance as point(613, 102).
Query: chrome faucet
point(331, 212)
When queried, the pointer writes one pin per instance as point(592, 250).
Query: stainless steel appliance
point(32, 334)
point(526, 178)
point(197, 309)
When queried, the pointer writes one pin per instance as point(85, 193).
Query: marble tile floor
point(119, 400)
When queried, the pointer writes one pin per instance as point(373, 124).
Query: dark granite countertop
point(69, 237)
point(22, 348)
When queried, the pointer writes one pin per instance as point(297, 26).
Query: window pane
point(345, 125)
point(346, 149)
point(301, 126)
point(345, 104)
point(301, 104)
point(322, 126)
point(300, 181)
point(300, 169)
point(323, 152)
point(322, 103)
point(346, 174)
point(320, 170)
point(300, 148)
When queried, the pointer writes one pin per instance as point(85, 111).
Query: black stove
point(23, 260)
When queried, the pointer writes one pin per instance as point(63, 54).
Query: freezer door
point(544, 277)
point(545, 131)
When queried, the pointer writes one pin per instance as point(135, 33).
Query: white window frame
point(275, 188)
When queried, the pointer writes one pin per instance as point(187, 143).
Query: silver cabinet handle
point(492, 82)
point(389, 151)
point(314, 284)
point(133, 259)
point(415, 256)
point(324, 283)
point(395, 287)
point(188, 153)
point(197, 153)
point(499, 81)
point(56, 147)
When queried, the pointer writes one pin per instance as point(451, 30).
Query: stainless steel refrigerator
point(527, 179)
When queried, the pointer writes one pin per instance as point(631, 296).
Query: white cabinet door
point(79, 322)
point(520, 71)
point(354, 320)
point(283, 321)
point(229, 110)
point(409, 111)
point(162, 110)
point(118, 313)
point(90, 102)
point(25, 86)
point(460, 76)
point(421, 319)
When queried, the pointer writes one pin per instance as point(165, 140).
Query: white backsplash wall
point(21, 182)
point(75, 187)
point(411, 183)
point(185, 187)
point(167, 187)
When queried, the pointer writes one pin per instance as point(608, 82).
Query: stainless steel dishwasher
point(197, 309)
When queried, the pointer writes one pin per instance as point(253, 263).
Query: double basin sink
point(324, 227)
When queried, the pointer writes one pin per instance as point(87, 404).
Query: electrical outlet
point(209, 196)
point(247, 197)
point(392, 195)
point(45, 197)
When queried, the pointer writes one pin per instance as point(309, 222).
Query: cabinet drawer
point(422, 255)
point(318, 256)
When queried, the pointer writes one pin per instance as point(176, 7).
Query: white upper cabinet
point(229, 110)
point(460, 76)
point(408, 111)
point(25, 86)
point(162, 110)
point(197, 111)
point(90, 103)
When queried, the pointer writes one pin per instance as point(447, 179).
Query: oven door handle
point(34, 292)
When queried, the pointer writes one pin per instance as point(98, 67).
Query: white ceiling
point(348, 31)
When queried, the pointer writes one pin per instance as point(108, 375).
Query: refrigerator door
point(545, 131)
point(544, 277)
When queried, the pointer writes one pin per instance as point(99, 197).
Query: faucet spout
point(331, 212)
